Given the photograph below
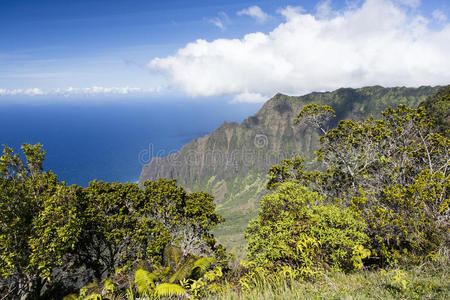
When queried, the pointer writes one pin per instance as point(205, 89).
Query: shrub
point(295, 228)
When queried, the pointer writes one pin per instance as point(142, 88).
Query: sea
point(112, 139)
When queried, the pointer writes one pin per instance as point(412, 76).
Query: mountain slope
point(232, 161)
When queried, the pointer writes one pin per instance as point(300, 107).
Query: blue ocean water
point(111, 140)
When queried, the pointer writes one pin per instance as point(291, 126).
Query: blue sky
point(54, 44)
point(49, 46)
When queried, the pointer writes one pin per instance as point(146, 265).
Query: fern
point(201, 265)
point(204, 263)
point(145, 281)
point(183, 271)
point(169, 290)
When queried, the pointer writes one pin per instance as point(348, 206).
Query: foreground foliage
point(426, 282)
point(392, 172)
point(56, 238)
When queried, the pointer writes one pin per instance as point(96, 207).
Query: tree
point(188, 217)
point(108, 221)
point(56, 236)
point(393, 172)
point(26, 195)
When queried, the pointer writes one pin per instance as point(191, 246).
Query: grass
point(425, 282)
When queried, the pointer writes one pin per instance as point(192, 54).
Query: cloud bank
point(95, 90)
point(379, 42)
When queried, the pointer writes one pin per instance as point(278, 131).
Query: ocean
point(111, 140)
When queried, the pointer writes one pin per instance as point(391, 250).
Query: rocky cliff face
point(232, 161)
point(234, 149)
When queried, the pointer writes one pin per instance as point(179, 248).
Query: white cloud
point(439, 16)
point(249, 97)
point(290, 12)
point(378, 42)
point(220, 21)
point(217, 22)
point(255, 12)
point(95, 90)
point(323, 9)
point(21, 92)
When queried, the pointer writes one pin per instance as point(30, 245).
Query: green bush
point(295, 228)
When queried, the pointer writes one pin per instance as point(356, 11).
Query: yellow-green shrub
point(295, 228)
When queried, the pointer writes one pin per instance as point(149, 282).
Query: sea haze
point(111, 140)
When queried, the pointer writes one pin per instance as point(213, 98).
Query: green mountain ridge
point(232, 161)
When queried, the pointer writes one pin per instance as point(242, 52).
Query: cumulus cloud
point(377, 42)
point(255, 12)
point(95, 90)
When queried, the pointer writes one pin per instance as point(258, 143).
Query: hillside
point(232, 161)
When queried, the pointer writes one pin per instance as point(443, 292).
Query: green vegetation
point(238, 213)
point(56, 238)
point(232, 161)
point(392, 172)
point(426, 282)
point(295, 228)
point(370, 221)
point(438, 107)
